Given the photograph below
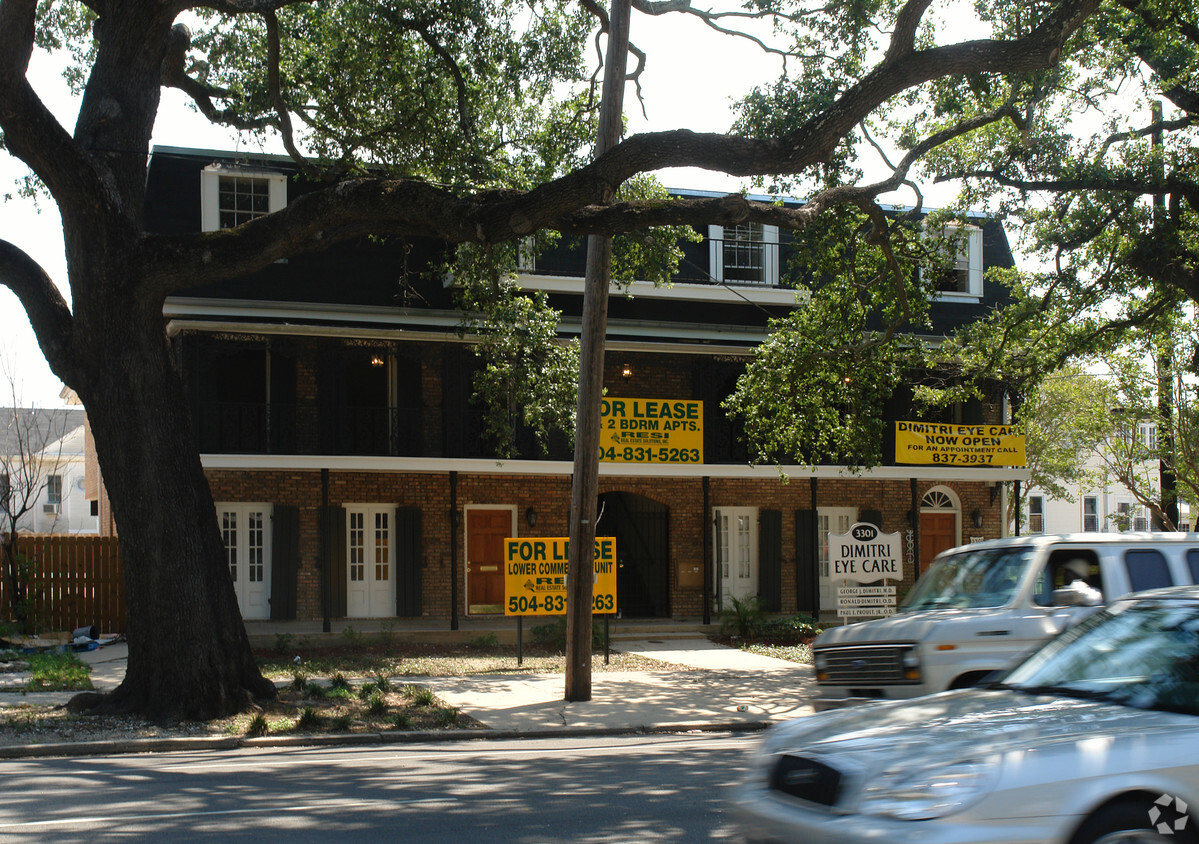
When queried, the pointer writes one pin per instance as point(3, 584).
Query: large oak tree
point(461, 120)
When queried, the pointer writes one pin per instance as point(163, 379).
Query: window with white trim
point(1148, 435)
point(1036, 514)
point(965, 277)
point(54, 490)
point(747, 254)
point(230, 196)
point(1090, 513)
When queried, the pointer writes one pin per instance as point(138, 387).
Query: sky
point(679, 92)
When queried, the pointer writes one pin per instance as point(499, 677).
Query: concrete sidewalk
point(726, 688)
point(729, 687)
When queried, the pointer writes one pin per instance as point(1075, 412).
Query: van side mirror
point(1077, 594)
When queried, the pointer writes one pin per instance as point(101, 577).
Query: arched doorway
point(641, 528)
point(940, 518)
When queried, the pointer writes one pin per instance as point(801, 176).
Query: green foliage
point(58, 672)
point(283, 642)
point(299, 681)
point(528, 375)
point(258, 726)
point(449, 716)
point(655, 253)
point(475, 93)
point(310, 719)
point(353, 637)
point(402, 721)
point(552, 634)
point(799, 628)
point(485, 641)
point(339, 681)
point(419, 695)
point(376, 705)
point(743, 618)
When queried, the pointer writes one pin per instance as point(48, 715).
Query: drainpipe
point(815, 551)
point(326, 562)
point(453, 550)
point(707, 526)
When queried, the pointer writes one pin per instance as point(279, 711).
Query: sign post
point(865, 555)
point(535, 570)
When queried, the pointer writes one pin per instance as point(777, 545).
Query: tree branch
point(174, 75)
point(47, 310)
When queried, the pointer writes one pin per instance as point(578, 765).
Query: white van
point(980, 608)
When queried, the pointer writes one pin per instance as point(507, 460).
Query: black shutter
point(409, 561)
point(807, 595)
point(333, 556)
point(285, 561)
point(873, 517)
point(770, 560)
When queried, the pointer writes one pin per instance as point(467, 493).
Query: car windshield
point(1138, 653)
point(971, 579)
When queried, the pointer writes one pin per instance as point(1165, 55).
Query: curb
point(193, 743)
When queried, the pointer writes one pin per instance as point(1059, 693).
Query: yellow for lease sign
point(959, 445)
point(651, 431)
point(535, 575)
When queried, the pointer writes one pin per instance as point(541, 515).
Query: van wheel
point(970, 679)
point(1137, 820)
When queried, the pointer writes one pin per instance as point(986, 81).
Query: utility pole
point(584, 488)
point(1164, 363)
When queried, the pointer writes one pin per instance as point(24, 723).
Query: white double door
point(370, 558)
point(736, 544)
point(245, 531)
point(835, 521)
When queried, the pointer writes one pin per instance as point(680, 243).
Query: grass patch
point(52, 672)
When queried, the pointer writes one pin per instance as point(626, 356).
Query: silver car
point(1094, 738)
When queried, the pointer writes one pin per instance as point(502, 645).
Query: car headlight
point(931, 791)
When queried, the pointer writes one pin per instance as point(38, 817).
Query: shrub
point(420, 695)
point(339, 681)
point(309, 719)
point(376, 705)
point(553, 635)
point(258, 726)
point(485, 641)
point(743, 619)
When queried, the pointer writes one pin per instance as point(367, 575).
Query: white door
point(834, 520)
point(248, 555)
point(736, 553)
point(370, 590)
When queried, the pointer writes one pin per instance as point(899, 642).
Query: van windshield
point(971, 580)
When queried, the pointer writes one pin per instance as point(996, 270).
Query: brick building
point(331, 399)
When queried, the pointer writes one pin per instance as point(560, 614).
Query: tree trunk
point(189, 656)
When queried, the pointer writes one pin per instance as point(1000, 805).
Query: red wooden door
point(486, 531)
point(938, 532)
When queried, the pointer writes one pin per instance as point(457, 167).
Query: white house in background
point(1100, 506)
point(56, 436)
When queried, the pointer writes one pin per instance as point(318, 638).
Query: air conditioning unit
point(50, 509)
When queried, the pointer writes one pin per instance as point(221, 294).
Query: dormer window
point(965, 277)
point(747, 254)
point(230, 196)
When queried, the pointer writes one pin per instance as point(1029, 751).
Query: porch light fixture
point(626, 371)
point(531, 516)
point(377, 360)
point(977, 518)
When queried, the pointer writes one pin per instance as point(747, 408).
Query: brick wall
point(549, 498)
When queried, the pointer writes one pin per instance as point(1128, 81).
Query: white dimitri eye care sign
point(865, 555)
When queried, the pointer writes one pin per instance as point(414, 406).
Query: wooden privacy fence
point(77, 582)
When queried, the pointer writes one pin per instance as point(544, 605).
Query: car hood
point(905, 626)
point(966, 724)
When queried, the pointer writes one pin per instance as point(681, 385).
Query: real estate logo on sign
point(865, 555)
point(651, 431)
